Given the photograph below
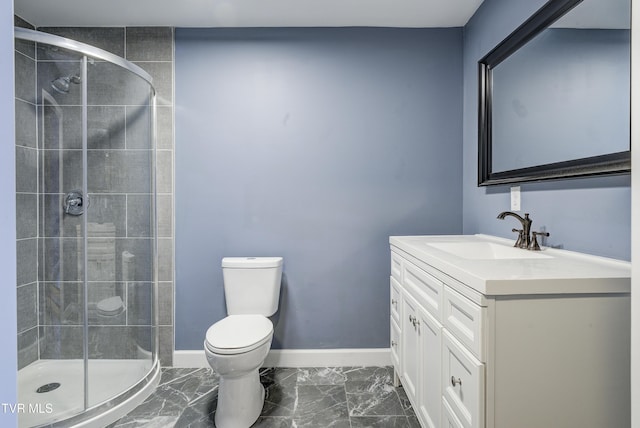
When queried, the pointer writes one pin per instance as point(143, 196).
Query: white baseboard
point(300, 358)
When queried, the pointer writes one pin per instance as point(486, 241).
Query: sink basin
point(474, 250)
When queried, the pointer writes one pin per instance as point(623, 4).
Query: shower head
point(61, 84)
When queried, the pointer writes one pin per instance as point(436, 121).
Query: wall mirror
point(554, 96)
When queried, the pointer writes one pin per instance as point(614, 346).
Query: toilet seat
point(237, 334)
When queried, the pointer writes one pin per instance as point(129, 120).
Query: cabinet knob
point(413, 320)
point(394, 343)
point(455, 381)
point(394, 302)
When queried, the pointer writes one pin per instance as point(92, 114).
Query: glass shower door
point(60, 238)
point(120, 254)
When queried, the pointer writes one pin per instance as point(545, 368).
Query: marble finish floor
point(336, 397)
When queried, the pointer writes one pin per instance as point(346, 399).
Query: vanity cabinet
point(474, 357)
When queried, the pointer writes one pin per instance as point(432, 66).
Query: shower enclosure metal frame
point(125, 400)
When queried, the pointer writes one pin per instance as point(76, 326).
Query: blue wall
point(315, 145)
point(8, 318)
point(591, 215)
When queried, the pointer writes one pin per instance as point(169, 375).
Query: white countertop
point(550, 271)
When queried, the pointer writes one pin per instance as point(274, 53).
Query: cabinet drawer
point(449, 419)
point(462, 382)
point(465, 320)
point(396, 267)
point(396, 304)
point(395, 345)
point(425, 288)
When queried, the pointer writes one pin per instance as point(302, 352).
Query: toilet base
point(235, 412)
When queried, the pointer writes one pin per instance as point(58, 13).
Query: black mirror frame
point(612, 163)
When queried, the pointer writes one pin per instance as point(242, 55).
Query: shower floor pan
point(107, 378)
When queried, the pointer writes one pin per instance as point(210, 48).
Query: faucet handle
point(534, 242)
point(520, 240)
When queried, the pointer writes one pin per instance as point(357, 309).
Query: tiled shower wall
point(151, 49)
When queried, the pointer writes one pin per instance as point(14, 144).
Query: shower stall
point(85, 197)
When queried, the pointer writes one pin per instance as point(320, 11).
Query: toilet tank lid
point(251, 262)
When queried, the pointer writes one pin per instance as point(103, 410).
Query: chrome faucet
point(524, 234)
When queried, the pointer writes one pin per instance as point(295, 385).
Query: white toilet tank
point(252, 284)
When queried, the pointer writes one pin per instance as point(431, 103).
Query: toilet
point(237, 345)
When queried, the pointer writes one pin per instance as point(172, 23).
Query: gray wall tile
point(26, 124)
point(25, 78)
point(165, 303)
point(27, 255)
point(164, 205)
point(27, 347)
point(139, 303)
point(161, 72)
point(26, 170)
point(26, 48)
point(119, 171)
point(60, 259)
point(61, 303)
point(106, 208)
point(166, 346)
point(61, 342)
point(149, 43)
point(109, 84)
point(139, 216)
point(165, 259)
point(67, 117)
point(110, 39)
point(62, 170)
point(106, 127)
point(164, 126)
point(138, 127)
point(26, 215)
point(164, 173)
point(27, 313)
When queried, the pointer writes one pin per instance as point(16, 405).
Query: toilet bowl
point(237, 345)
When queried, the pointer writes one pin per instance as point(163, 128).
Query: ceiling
point(248, 13)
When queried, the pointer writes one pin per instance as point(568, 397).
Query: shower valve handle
point(74, 203)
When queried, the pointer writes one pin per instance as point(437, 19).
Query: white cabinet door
point(429, 386)
point(410, 342)
point(449, 419)
point(462, 382)
point(396, 292)
point(395, 346)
